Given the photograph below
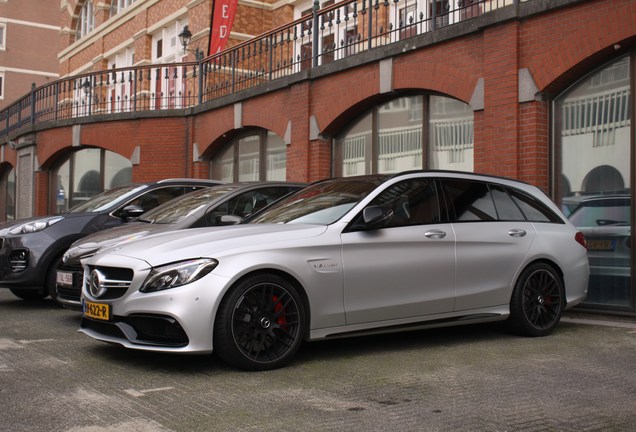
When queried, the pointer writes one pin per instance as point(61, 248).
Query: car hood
point(174, 246)
point(90, 244)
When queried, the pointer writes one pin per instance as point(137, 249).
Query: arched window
point(255, 156)
point(7, 193)
point(593, 160)
point(410, 132)
point(85, 173)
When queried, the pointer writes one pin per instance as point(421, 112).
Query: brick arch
point(590, 44)
point(268, 113)
point(446, 79)
point(74, 16)
point(412, 77)
point(56, 143)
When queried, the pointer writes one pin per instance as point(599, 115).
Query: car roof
point(102, 203)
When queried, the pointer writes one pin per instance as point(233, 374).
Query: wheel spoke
point(266, 322)
point(541, 299)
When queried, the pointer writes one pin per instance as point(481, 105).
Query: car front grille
point(114, 281)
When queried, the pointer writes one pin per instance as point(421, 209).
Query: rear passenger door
point(493, 238)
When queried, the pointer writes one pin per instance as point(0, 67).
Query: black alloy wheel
point(260, 323)
point(537, 301)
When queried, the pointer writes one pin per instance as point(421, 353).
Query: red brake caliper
point(282, 321)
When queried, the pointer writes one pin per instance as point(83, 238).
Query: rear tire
point(537, 301)
point(260, 323)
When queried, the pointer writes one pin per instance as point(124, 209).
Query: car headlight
point(35, 226)
point(177, 274)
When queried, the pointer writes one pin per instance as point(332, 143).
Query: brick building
point(24, 60)
point(535, 90)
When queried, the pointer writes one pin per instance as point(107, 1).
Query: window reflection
point(7, 192)
point(85, 173)
point(256, 156)
point(391, 137)
point(594, 138)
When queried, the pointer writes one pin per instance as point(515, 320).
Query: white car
point(343, 257)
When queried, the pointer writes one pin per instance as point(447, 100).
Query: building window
point(593, 125)
point(7, 194)
point(255, 156)
point(1, 85)
point(118, 5)
point(85, 173)
point(86, 20)
point(411, 132)
point(166, 46)
point(3, 36)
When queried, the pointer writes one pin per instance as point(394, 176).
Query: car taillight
point(580, 239)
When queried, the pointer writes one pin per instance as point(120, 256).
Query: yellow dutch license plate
point(600, 245)
point(98, 311)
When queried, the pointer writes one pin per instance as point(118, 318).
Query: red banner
point(222, 20)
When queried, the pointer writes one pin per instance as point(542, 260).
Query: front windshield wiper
point(145, 221)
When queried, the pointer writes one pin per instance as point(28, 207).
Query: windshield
point(321, 203)
point(106, 199)
point(179, 208)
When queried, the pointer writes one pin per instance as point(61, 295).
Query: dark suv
point(31, 249)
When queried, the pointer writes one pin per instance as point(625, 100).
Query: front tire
point(538, 301)
point(30, 295)
point(260, 323)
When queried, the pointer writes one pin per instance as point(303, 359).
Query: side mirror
point(229, 220)
point(376, 216)
point(131, 212)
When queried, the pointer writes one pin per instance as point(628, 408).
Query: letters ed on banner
point(222, 21)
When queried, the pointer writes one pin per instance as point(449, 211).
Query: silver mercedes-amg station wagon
point(343, 257)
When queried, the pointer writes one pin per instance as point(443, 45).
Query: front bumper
point(69, 295)
point(175, 320)
point(21, 260)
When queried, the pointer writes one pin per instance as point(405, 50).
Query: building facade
point(539, 91)
point(24, 60)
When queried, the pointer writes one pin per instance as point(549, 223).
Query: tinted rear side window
point(480, 201)
point(532, 208)
point(507, 209)
point(469, 200)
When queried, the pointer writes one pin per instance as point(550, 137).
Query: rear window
point(602, 212)
point(481, 201)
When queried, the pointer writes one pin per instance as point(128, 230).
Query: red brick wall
point(511, 138)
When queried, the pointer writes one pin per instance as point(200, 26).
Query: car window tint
point(413, 202)
point(470, 200)
point(507, 210)
point(533, 209)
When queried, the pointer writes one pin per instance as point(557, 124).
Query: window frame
point(3, 36)
point(417, 125)
point(233, 147)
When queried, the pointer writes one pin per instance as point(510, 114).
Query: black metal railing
point(322, 37)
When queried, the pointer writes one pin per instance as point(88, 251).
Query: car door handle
point(435, 234)
point(517, 233)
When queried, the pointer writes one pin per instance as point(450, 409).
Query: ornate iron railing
point(322, 37)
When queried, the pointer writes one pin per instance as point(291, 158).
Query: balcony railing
point(327, 35)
